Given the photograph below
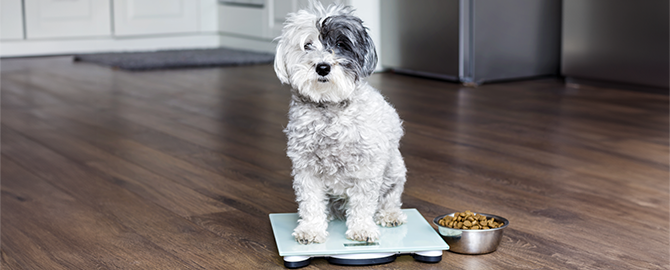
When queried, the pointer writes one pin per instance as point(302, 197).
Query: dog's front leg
point(362, 205)
point(389, 213)
point(312, 201)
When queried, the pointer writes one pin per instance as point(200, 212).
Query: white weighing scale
point(416, 238)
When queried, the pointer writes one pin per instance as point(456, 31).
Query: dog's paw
point(305, 235)
point(364, 233)
point(390, 218)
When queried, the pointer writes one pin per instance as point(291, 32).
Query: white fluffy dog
point(342, 135)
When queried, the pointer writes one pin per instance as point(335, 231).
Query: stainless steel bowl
point(472, 241)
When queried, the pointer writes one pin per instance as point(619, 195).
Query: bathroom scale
point(416, 238)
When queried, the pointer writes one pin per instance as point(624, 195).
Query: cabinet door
point(281, 9)
point(145, 17)
point(73, 18)
point(243, 20)
point(11, 20)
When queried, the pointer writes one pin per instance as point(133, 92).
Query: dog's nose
point(323, 69)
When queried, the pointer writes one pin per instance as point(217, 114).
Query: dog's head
point(323, 53)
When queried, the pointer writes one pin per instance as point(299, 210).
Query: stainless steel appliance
point(617, 40)
point(472, 41)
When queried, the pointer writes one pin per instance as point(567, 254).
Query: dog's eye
point(341, 45)
point(308, 46)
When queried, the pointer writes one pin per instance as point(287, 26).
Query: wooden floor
point(107, 169)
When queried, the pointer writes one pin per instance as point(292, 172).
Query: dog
point(343, 136)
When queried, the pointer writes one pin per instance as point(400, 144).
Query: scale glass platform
point(416, 238)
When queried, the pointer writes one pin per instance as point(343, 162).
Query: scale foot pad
point(293, 262)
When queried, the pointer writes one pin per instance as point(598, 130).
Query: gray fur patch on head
point(346, 36)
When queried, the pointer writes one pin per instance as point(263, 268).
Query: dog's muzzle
point(323, 69)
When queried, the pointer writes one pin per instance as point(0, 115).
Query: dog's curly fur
point(343, 136)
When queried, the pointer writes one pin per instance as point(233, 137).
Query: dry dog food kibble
point(469, 221)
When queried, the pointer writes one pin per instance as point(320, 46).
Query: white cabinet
point(281, 8)
point(86, 26)
point(44, 27)
point(142, 17)
point(67, 18)
point(243, 20)
point(11, 20)
point(208, 16)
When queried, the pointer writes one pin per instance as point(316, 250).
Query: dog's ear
point(280, 65)
point(370, 56)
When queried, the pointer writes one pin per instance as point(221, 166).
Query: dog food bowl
point(472, 241)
